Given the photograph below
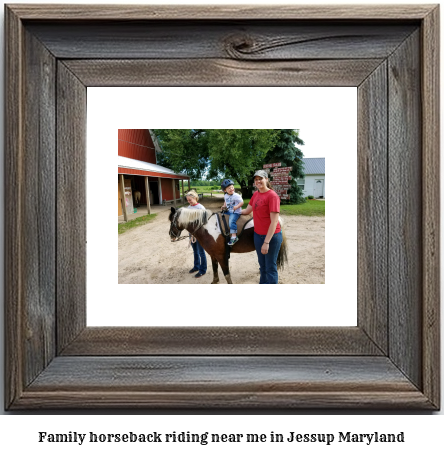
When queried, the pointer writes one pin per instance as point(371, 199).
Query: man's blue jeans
point(267, 263)
point(233, 219)
point(200, 259)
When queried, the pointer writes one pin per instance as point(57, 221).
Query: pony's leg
point(226, 270)
point(215, 270)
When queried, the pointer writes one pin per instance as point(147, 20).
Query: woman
point(200, 259)
point(265, 204)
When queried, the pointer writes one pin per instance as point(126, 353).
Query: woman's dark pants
point(200, 259)
point(267, 263)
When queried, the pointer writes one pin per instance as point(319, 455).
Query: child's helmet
point(226, 183)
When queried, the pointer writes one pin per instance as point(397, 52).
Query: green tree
point(236, 154)
point(233, 154)
point(184, 151)
point(287, 153)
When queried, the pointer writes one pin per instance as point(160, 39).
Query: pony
point(137, 196)
point(203, 225)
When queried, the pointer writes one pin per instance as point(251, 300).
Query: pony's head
point(175, 227)
point(186, 219)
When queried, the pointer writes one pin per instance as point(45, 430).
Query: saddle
point(223, 219)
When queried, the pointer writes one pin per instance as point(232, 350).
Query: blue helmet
point(226, 183)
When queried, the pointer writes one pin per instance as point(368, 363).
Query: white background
point(327, 120)
point(18, 433)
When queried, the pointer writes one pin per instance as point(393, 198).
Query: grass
point(312, 208)
point(139, 221)
point(204, 189)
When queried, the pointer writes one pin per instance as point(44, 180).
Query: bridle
point(177, 231)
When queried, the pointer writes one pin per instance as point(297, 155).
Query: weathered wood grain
point(431, 205)
point(216, 72)
point(13, 210)
point(38, 207)
point(220, 12)
point(71, 208)
point(30, 206)
point(405, 209)
point(259, 401)
point(126, 341)
point(234, 382)
point(209, 373)
point(258, 40)
point(372, 207)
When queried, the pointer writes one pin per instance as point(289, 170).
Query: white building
point(314, 181)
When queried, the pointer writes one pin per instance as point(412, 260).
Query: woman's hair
point(194, 194)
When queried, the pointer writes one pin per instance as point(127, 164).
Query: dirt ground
point(146, 254)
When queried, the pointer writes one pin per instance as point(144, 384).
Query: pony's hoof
point(214, 282)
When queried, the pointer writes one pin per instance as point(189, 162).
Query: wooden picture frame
point(390, 360)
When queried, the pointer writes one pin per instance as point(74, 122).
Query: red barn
point(138, 171)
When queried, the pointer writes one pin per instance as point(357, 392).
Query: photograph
point(249, 192)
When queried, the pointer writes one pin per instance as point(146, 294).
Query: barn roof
point(314, 165)
point(130, 163)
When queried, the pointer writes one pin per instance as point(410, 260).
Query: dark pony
point(203, 225)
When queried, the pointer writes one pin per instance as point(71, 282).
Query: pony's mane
point(188, 215)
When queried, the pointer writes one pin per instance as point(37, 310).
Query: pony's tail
point(282, 255)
